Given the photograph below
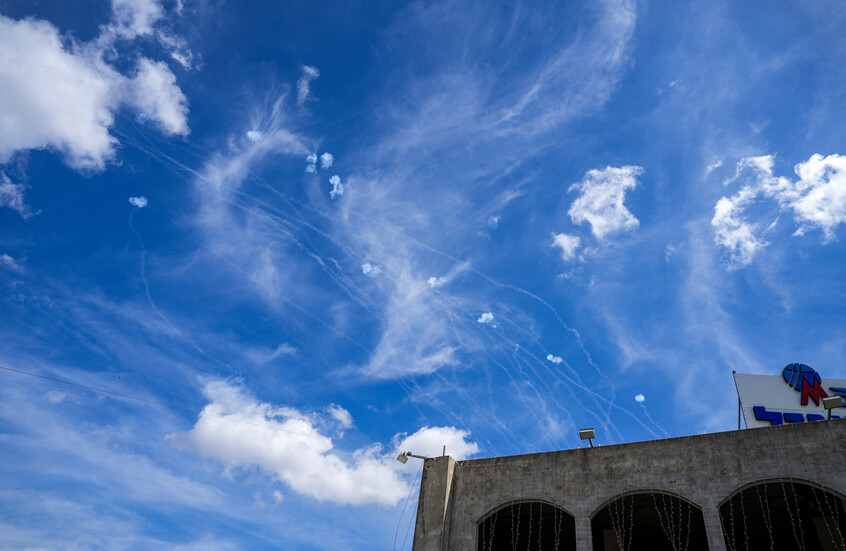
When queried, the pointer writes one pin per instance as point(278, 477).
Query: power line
point(153, 402)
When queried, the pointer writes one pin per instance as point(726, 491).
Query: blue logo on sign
point(805, 380)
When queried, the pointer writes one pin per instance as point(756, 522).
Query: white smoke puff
point(311, 168)
point(337, 186)
point(139, 202)
point(487, 317)
point(326, 160)
point(436, 281)
point(254, 135)
point(369, 269)
point(640, 398)
point(554, 359)
point(311, 159)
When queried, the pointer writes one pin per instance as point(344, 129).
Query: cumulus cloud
point(817, 200)
point(436, 281)
point(308, 73)
point(430, 441)
point(600, 202)
point(12, 196)
point(568, 244)
point(253, 135)
point(640, 398)
point(337, 186)
point(156, 94)
point(286, 444)
point(554, 359)
point(326, 160)
point(486, 317)
point(493, 221)
point(369, 269)
point(311, 168)
point(139, 202)
point(64, 98)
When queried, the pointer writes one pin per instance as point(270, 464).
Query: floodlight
point(403, 457)
point(832, 402)
point(587, 434)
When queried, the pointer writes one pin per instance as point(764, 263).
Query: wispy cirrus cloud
point(12, 196)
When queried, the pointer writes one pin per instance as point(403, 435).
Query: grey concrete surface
point(704, 469)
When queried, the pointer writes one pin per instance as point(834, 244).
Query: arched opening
point(527, 526)
point(785, 514)
point(649, 521)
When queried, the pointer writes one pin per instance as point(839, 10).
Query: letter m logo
point(814, 390)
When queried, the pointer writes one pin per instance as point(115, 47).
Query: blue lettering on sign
point(839, 391)
point(794, 417)
point(779, 418)
point(761, 414)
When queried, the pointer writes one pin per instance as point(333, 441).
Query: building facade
point(773, 488)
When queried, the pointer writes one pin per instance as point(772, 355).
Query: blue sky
point(330, 232)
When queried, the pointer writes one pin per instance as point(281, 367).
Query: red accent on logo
point(815, 392)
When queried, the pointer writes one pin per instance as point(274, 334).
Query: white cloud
point(817, 200)
point(486, 317)
point(55, 396)
point(568, 244)
point(640, 398)
point(178, 49)
point(65, 99)
point(308, 73)
point(135, 17)
point(369, 269)
point(326, 160)
point(12, 196)
point(493, 221)
point(284, 443)
point(337, 186)
point(555, 359)
point(278, 497)
point(253, 135)
point(430, 441)
point(10, 262)
point(436, 281)
point(311, 168)
point(714, 166)
point(156, 94)
point(311, 159)
point(341, 415)
point(601, 200)
point(139, 202)
point(733, 233)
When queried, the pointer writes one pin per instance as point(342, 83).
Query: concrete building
point(773, 488)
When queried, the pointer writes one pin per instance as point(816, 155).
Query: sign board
point(795, 396)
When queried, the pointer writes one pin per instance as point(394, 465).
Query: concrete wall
point(705, 469)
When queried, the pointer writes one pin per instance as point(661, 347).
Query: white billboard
point(795, 396)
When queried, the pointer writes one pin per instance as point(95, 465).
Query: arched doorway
point(527, 526)
point(649, 521)
point(784, 514)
